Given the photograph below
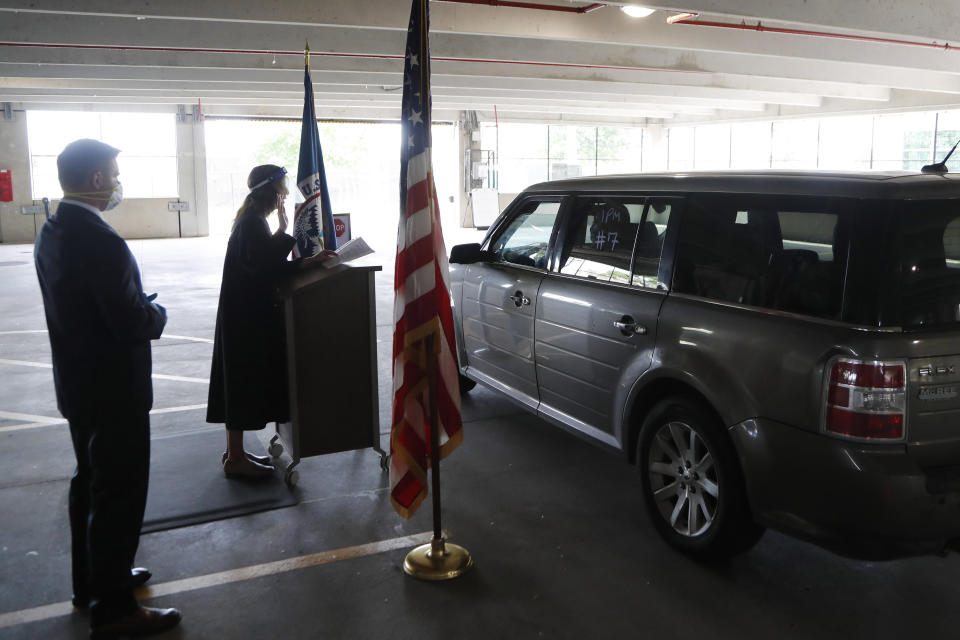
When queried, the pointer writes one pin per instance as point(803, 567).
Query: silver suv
point(770, 349)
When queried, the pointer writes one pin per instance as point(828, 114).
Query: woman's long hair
point(263, 199)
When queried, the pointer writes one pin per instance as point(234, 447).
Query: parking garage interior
point(196, 94)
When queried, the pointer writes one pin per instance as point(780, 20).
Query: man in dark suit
point(100, 325)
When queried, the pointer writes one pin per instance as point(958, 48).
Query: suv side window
point(599, 244)
point(607, 235)
point(653, 230)
point(527, 236)
point(775, 252)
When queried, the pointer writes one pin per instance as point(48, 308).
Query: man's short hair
point(81, 159)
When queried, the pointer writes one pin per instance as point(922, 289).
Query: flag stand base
point(439, 560)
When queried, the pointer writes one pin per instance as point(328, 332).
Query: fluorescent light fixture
point(636, 11)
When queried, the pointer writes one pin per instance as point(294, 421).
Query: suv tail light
point(867, 399)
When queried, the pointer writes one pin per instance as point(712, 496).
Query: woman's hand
point(320, 258)
point(281, 214)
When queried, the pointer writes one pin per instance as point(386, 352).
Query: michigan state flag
point(313, 219)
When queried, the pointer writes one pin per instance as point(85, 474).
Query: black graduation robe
point(248, 376)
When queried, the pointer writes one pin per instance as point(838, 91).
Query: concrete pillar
point(469, 142)
point(15, 156)
point(192, 174)
point(655, 151)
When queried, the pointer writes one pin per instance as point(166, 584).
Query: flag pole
point(439, 560)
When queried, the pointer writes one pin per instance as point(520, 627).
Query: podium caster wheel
point(275, 450)
point(291, 477)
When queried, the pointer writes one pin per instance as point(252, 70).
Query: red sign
point(341, 227)
point(6, 186)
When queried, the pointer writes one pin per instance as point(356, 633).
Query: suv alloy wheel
point(692, 485)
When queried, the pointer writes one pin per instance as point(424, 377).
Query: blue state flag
point(313, 222)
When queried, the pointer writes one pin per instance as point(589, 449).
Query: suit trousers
point(108, 494)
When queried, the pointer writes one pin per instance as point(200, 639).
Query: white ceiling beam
point(924, 19)
point(723, 86)
point(488, 96)
point(668, 41)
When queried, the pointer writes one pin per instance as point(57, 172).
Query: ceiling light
point(636, 11)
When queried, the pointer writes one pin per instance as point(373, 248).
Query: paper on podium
point(356, 248)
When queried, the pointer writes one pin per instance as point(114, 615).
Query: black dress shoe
point(138, 576)
point(142, 622)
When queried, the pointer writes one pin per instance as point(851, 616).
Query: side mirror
point(467, 254)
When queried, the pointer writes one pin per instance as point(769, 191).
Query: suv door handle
point(628, 326)
point(519, 299)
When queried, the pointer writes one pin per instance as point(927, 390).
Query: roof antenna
point(941, 167)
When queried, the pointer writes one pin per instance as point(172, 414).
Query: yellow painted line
point(160, 376)
point(37, 614)
point(43, 421)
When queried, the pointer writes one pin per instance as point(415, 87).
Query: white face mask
point(116, 197)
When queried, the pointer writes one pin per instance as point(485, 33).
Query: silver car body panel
point(763, 371)
point(497, 332)
point(584, 362)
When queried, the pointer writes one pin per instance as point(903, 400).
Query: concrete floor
point(562, 548)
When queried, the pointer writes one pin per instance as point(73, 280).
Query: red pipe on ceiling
point(820, 34)
point(529, 5)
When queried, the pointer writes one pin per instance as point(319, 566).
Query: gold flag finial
point(306, 54)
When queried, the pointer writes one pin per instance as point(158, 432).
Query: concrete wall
point(15, 227)
point(135, 217)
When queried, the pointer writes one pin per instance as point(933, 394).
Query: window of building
point(680, 148)
point(147, 143)
point(794, 144)
point(750, 145)
point(845, 143)
point(903, 141)
point(948, 133)
point(712, 147)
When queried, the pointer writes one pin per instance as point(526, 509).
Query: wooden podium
point(331, 332)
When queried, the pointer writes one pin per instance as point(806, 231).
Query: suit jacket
point(248, 375)
point(99, 320)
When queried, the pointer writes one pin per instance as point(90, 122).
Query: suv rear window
point(929, 292)
point(782, 253)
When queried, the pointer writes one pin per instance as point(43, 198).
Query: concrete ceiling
point(240, 57)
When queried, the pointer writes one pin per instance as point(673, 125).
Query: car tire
point(466, 384)
point(693, 487)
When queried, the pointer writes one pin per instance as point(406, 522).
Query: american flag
point(313, 219)
point(422, 288)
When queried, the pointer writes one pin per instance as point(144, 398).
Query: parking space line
point(44, 421)
point(188, 338)
point(46, 612)
point(160, 376)
point(169, 336)
point(10, 415)
point(25, 363)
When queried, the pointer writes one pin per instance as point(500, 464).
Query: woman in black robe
point(248, 377)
